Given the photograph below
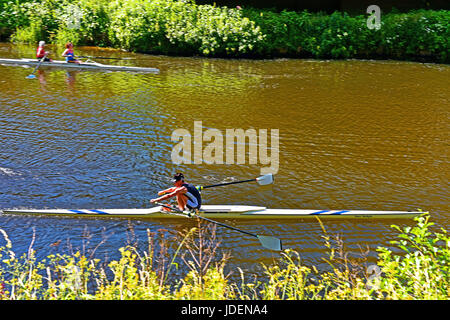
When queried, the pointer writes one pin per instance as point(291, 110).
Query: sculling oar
point(32, 76)
point(267, 242)
point(110, 58)
point(262, 181)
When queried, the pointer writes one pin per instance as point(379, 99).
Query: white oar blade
point(265, 179)
point(271, 243)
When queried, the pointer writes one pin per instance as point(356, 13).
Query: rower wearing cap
point(41, 53)
point(187, 194)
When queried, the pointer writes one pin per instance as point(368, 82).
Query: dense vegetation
point(185, 28)
point(419, 269)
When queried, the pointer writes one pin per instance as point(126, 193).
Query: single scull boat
point(222, 212)
point(82, 65)
point(225, 212)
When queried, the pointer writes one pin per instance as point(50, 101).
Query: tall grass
point(419, 271)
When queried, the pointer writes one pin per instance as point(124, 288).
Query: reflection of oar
point(268, 242)
point(262, 181)
point(32, 76)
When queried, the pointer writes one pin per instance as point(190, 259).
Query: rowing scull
point(83, 65)
point(222, 212)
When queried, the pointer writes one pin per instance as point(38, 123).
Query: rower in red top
point(69, 54)
point(187, 194)
point(41, 53)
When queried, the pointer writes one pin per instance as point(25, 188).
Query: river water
point(352, 135)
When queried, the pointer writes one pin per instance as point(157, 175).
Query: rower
point(41, 53)
point(187, 194)
point(69, 54)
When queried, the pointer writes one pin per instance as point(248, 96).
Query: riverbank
point(416, 268)
point(187, 29)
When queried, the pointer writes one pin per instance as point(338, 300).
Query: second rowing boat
point(82, 65)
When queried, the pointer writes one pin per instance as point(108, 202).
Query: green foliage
point(57, 21)
point(185, 28)
point(423, 271)
point(215, 31)
point(414, 35)
point(12, 15)
point(181, 27)
point(31, 33)
point(62, 36)
point(418, 33)
point(132, 279)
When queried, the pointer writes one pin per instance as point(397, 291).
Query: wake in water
point(9, 172)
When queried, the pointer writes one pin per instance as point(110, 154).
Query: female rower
point(68, 53)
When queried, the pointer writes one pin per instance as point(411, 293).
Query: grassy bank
point(185, 28)
point(419, 269)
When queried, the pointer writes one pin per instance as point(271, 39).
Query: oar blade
point(265, 179)
point(267, 242)
point(270, 243)
point(31, 76)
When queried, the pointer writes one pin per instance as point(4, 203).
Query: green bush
point(31, 33)
point(85, 22)
point(33, 21)
point(181, 27)
point(423, 270)
point(420, 33)
point(12, 16)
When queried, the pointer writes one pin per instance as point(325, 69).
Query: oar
point(32, 76)
point(111, 58)
point(267, 242)
point(262, 180)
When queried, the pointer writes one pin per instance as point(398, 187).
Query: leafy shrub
point(31, 33)
point(423, 270)
point(85, 22)
point(181, 27)
point(420, 33)
point(34, 21)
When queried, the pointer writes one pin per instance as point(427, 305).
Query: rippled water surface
point(353, 135)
